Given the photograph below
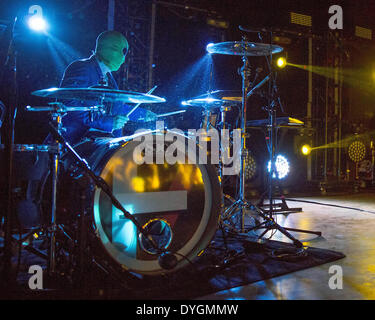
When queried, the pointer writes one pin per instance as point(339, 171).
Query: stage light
point(357, 151)
point(281, 62)
point(36, 21)
point(208, 47)
point(250, 168)
point(306, 149)
point(218, 23)
point(301, 19)
point(282, 167)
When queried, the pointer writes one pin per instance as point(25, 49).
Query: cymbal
point(210, 102)
point(226, 95)
point(62, 109)
point(101, 94)
point(215, 99)
point(241, 48)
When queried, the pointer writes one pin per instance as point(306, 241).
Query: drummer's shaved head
point(111, 47)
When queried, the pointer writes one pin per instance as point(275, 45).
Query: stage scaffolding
point(136, 20)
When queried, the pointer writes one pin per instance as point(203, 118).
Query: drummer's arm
point(123, 109)
point(78, 75)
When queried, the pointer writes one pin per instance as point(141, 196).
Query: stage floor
point(351, 232)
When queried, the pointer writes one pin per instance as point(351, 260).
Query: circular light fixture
point(281, 62)
point(357, 151)
point(37, 23)
point(208, 47)
point(250, 168)
point(282, 167)
point(306, 149)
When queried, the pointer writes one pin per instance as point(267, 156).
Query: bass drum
point(178, 204)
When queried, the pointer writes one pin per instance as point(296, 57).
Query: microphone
point(261, 83)
point(158, 235)
point(167, 260)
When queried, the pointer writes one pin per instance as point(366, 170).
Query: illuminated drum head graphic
point(173, 201)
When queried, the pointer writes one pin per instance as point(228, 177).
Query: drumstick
point(170, 113)
point(138, 104)
point(258, 86)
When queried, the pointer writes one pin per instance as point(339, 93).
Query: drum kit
point(149, 219)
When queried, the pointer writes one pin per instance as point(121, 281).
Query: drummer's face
point(113, 51)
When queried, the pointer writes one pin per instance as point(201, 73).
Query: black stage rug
point(237, 261)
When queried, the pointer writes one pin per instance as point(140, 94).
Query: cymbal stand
point(241, 204)
point(56, 155)
point(272, 145)
point(222, 126)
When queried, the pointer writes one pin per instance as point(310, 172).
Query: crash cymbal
point(60, 108)
point(242, 48)
point(101, 94)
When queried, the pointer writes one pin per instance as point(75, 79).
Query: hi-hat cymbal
point(226, 95)
point(215, 99)
point(242, 48)
point(204, 103)
point(101, 94)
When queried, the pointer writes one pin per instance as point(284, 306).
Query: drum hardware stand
point(222, 126)
point(26, 243)
point(270, 224)
point(241, 204)
point(80, 272)
point(277, 208)
point(281, 207)
point(56, 118)
point(273, 128)
point(11, 112)
point(207, 113)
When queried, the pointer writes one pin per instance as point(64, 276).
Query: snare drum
point(179, 204)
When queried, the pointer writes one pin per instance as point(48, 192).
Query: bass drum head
point(179, 205)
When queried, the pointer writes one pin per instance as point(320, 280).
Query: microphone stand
point(102, 184)
point(269, 222)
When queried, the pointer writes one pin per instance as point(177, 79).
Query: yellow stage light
point(306, 150)
point(281, 62)
point(357, 151)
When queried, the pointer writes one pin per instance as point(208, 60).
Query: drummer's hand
point(150, 116)
point(119, 121)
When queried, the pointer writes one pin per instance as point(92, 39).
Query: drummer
point(110, 51)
